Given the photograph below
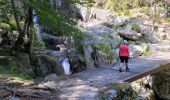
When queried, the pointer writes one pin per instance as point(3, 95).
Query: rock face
point(135, 51)
point(77, 62)
point(20, 62)
point(51, 77)
point(161, 84)
point(67, 9)
point(88, 51)
point(45, 64)
point(130, 35)
point(121, 91)
point(143, 88)
point(116, 21)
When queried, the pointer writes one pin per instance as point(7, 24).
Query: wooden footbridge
point(87, 85)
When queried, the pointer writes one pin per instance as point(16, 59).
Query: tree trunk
point(154, 15)
point(20, 40)
point(166, 7)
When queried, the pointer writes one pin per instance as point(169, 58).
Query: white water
point(65, 63)
point(66, 66)
point(36, 26)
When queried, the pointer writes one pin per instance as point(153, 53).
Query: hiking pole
point(115, 63)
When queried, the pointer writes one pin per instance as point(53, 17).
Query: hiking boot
point(120, 69)
point(127, 69)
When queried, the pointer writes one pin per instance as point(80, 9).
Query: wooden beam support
point(148, 72)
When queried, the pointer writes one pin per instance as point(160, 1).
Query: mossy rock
point(105, 48)
point(121, 91)
point(5, 26)
point(120, 86)
point(18, 63)
point(136, 28)
point(44, 64)
point(13, 24)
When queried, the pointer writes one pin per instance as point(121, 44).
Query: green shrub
point(121, 6)
point(144, 40)
point(38, 44)
point(136, 28)
point(5, 26)
point(106, 48)
point(13, 24)
point(12, 73)
point(167, 19)
point(147, 52)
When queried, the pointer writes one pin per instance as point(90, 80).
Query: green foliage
point(13, 24)
point(56, 22)
point(167, 19)
point(5, 26)
point(106, 48)
point(120, 86)
point(12, 73)
point(38, 44)
point(120, 6)
point(87, 2)
point(136, 28)
point(147, 52)
point(144, 39)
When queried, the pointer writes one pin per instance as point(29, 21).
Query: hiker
point(124, 54)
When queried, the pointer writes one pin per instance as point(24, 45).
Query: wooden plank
point(148, 72)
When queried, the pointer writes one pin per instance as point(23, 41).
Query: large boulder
point(44, 64)
point(137, 50)
point(85, 12)
point(89, 60)
point(143, 88)
point(116, 21)
point(130, 34)
point(122, 91)
point(161, 84)
point(99, 30)
point(101, 61)
point(100, 14)
point(20, 62)
point(77, 61)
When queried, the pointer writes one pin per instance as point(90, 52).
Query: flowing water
point(66, 65)
point(64, 61)
point(36, 27)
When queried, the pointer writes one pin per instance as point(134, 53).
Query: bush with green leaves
point(136, 27)
point(13, 24)
point(14, 73)
point(38, 43)
point(146, 51)
point(121, 6)
point(106, 48)
point(5, 26)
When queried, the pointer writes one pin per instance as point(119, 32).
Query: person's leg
point(121, 64)
point(126, 63)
